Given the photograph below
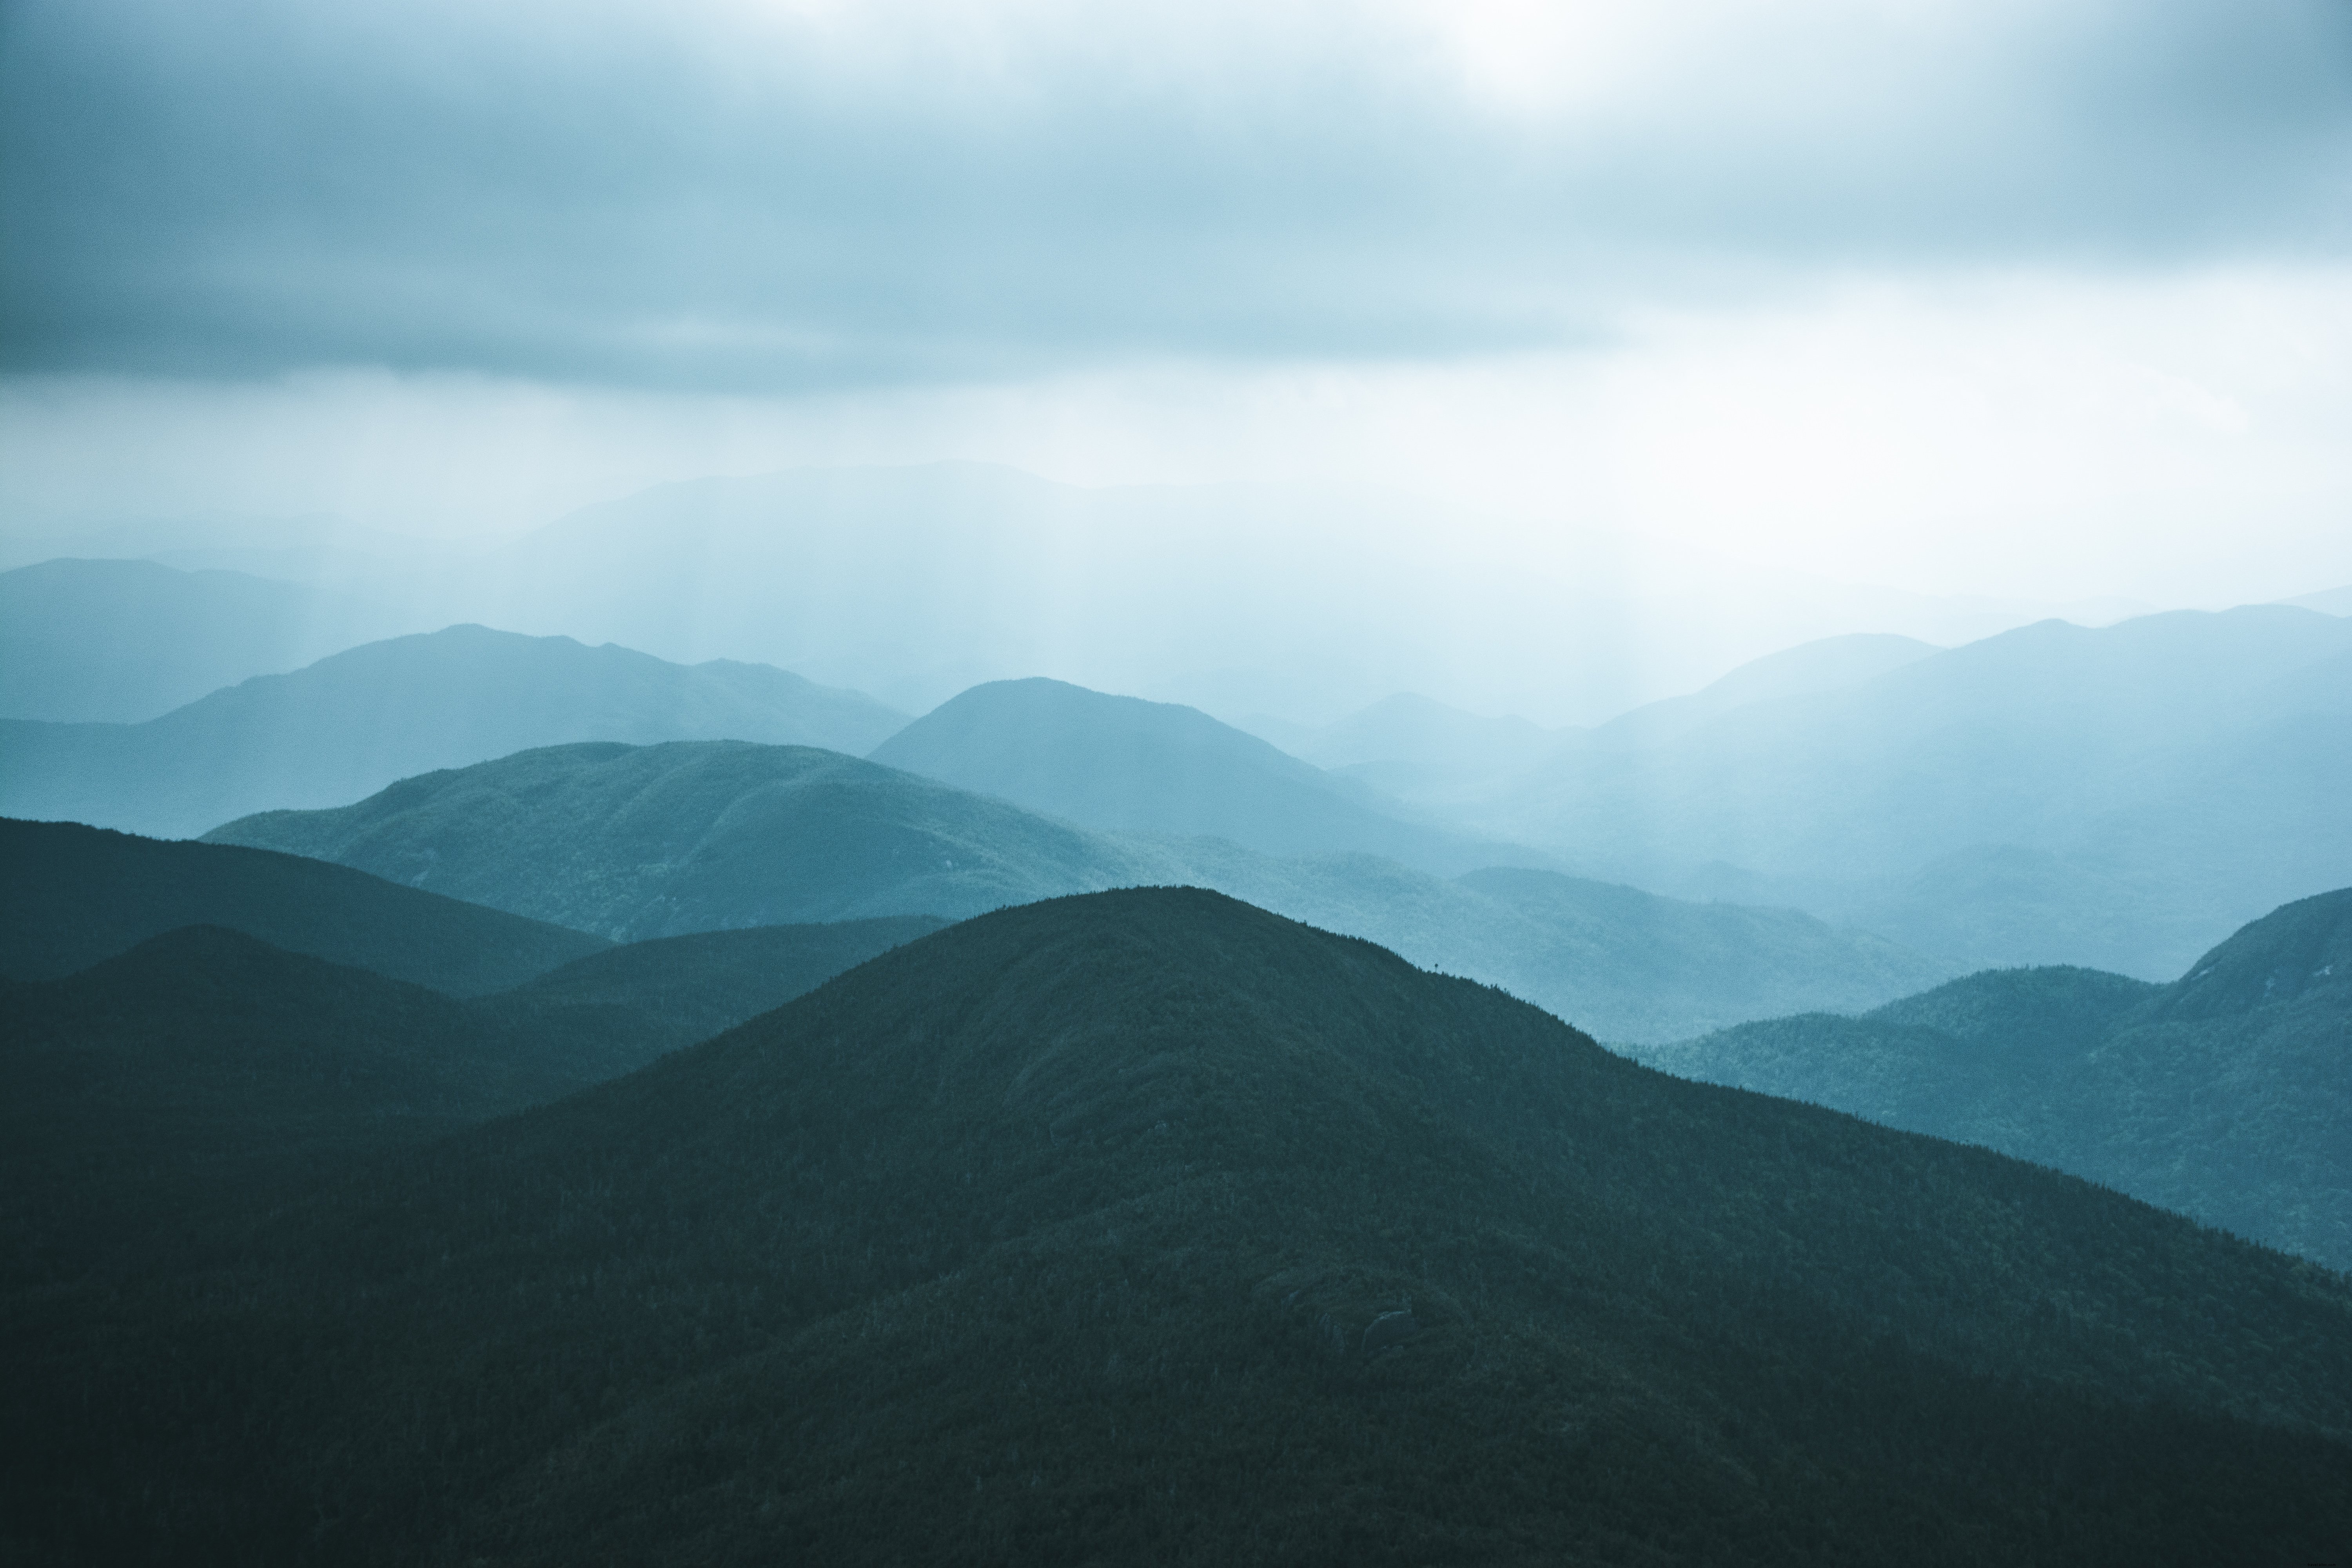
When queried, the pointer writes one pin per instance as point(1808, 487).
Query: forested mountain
point(347, 726)
point(2226, 1095)
point(688, 988)
point(71, 896)
point(205, 1067)
point(636, 842)
point(1143, 1226)
point(714, 835)
point(1119, 764)
point(123, 641)
point(2118, 798)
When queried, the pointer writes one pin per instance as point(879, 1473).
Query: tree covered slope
point(2226, 1095)
point(1147, 1225)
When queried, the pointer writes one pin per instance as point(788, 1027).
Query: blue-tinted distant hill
point(643, 842)
point(2119, 798)
point(1120, 764)
point(348, 725)
point(123, 641)
point(2227, 1094)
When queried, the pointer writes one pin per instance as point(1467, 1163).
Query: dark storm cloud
point(712, 197)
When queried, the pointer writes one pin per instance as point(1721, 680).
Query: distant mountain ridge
point(2226, 1095)
point(348, 725)
point(1120, 764)
point(2119, 798)
point(638, 843)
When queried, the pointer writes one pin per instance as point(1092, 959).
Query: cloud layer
point(782, 197)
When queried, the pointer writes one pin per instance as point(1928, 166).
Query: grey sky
point(778, 197)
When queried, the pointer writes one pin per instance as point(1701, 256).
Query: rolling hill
point(125, 641)
point(1119, 764)
point(1147, 1226)
point(688, 988)
point(2118, 799)
point(2226, 1095)
point(205, 1067)
point(347, 726)
point(713, 835)
point(636, 842)
point(71, 896)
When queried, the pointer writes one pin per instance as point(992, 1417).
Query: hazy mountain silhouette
point(71, 896)
point(348, 725)
point(204, 1065)
point(696, 836)
point(1145, 1225)
point(1119, 764)
point(2227, 1094)
point(123, 641)
point(2119, 798)
point(2331, 602)
point(1428, 753)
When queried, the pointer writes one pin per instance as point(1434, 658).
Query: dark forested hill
point(678, 838)
point(2227, 1094)
point(123, 641)
point(348, 725)
point(1119, 764)
point(690, 987)
point(71, 896)
point(205, 1065)
point(1149, 1227)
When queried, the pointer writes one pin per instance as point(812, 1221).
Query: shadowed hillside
point(2227, 1094)
point(204, 1068)
point(71, 896)
point(1146, 1224)
point(688, 988)
point(347, 726)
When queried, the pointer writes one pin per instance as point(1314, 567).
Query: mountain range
point(1149, 1225)
point(2226, 1095)
point(350, 725)
point(2119, 798)
point(1119, 764)
point(633, 843)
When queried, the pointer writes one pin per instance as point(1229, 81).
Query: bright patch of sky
point(2049, 300)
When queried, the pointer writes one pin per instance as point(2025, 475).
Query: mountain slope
point(205, 1065)
point(347, 726)
point(1150, 1227)
point(2226, 1095)
point(707, 836)
point(690, 988)
point(71, 896)
point(649, 841)
point(123, 641)
point(1119, 764)
point(2118, 798)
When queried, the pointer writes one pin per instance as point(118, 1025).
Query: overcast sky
point(2045, 299)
